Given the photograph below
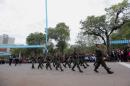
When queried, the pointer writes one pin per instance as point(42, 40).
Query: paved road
point(23, 75)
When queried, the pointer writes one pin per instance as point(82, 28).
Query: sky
point(19, 18)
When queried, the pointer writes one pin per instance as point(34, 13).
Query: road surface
point(23, 75)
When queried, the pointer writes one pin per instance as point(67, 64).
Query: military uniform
point(67, 62)
point(76, 62)
point(40, 61)
point(33, 61)
point(58, 63)
point(48, 62)
point(100, 61)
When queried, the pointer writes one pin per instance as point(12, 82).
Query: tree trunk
point(108, 44)
point(103, 40)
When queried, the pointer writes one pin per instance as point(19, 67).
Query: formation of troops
point(60, 62)
point(73, 61)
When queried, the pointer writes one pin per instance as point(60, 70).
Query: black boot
point(96, 70)
point(73, 69)
point(108, 71)
point(81, 71)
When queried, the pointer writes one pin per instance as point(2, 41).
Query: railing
point(21, 46)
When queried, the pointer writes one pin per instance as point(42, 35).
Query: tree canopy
point(61, 34)
point(103, 26)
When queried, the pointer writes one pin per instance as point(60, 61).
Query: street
point(23, 75)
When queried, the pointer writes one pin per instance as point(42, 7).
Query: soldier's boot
point(64, 65)
point(33, 66)
point(56, 67)
point(84, 66)
point(108, 71)
point(69, 65)
point(73, 67)
point(79, 69)
point(53, 64)
point(50, 67)
point(96, 70)
point(38, 66)
point(61, 69)
point(41, 66)
point(47, 66)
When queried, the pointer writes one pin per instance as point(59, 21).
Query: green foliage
point(85, 40)
point(103, 26)
point(118, 7)
point(94, 25)
point(60, 34)
point(122, 33)
point(35, 38)
point(23, 52)
point(51, 48)
point(61, 45)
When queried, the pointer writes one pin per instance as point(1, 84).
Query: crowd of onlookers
point(3, 61)
point(122, 55)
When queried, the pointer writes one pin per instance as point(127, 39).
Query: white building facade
point(5, 39)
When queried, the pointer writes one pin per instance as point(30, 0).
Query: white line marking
point(125, 64)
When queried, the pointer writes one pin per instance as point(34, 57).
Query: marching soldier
point(76, 62)
point(58, 63)
point(10, 60)
point(99, 60)
point(48, 62)
point(67, 61)
point(33, 61)
point(40, 61)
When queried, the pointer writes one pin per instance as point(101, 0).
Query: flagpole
point(46, 27)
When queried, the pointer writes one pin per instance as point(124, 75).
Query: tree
point(23, 51)
point(35, 39)
point(51, 48)
point(61, 35)
point(103, 26)
point(85, 40)
point(122, 33)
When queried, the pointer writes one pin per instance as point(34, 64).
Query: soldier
point(67, 61)
point(48, 62)
point(82, 61)
point(40, 61)
point(10, 60)
point(76, 62)
point(33, 61)
point(54, 61)
point(99, 59)
point(16, 61)
point(58, 63)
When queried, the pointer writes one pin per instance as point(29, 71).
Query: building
point(5, 39)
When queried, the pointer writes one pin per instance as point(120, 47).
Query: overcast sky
point(18, 18)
